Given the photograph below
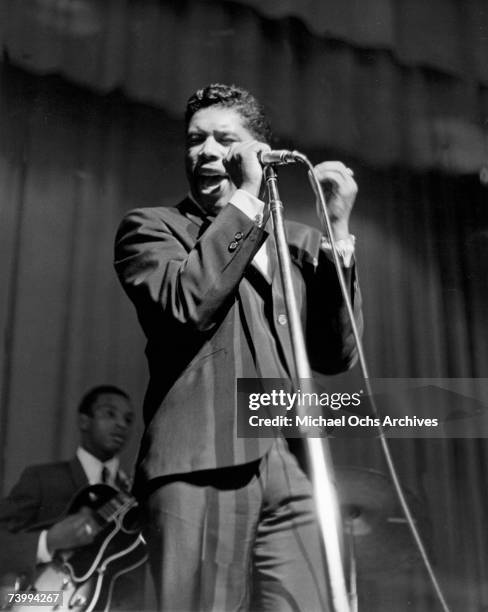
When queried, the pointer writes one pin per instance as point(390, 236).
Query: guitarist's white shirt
point(93, 469)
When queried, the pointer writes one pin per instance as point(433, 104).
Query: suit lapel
point(77, 474)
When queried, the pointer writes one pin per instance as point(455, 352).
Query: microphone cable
point(280, 157)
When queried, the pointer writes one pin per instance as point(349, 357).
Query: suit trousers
point(243, 538)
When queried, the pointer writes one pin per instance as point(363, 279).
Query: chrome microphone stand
point(318, 454)
point(318, 451)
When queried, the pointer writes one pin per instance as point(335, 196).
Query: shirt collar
point(190, 197)
point(205, 214)
point(93, 467)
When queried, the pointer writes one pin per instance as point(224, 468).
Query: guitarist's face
point(106, 431)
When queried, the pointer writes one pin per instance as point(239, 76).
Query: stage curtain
point(71, 164)
point(398, 91)
point(393, 82)
point(446, 35)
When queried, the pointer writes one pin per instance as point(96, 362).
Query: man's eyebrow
point(222, 132)
point(225, 132)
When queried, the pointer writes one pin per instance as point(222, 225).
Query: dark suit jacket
point(183, 273)
point(37, 501)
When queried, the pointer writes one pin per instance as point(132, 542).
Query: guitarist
point(33, 520)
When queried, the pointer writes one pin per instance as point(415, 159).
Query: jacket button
point(282, 319)
point(233, 246)
point(238, 236)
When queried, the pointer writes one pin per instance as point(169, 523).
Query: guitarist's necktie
point(105, 475)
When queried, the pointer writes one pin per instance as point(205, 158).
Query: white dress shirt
point(93, 467)
point(254, 209)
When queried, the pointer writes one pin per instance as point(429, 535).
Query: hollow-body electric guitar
point(86, 575)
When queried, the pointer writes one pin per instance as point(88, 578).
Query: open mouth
point(209, 180)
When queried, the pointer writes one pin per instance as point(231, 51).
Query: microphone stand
point(318, 451)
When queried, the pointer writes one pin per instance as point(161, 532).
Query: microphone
point(279, 156)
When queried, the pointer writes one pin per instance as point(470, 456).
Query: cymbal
point(371, 514)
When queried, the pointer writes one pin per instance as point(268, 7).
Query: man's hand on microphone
point(340, 192)
point(243, 166)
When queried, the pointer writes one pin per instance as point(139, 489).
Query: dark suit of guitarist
point(38, 500)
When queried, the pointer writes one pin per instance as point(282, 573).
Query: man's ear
point(83, 422)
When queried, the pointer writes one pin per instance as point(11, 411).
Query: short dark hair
point(90, 397)
point(231, 96)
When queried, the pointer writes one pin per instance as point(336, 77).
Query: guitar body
point(55, 577)
point(87, 575)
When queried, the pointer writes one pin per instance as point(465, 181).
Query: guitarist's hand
point(74, 531)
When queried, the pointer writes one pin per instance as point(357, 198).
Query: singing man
point(230, 522)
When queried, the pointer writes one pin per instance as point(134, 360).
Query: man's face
point(106, 430)
point(210, 134)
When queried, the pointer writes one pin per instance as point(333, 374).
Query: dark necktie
point(105, 475)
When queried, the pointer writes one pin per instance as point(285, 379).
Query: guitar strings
point(109, 515)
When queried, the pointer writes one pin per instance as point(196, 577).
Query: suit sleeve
point(330, 340)
point(18, 511)
point(169, 280)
